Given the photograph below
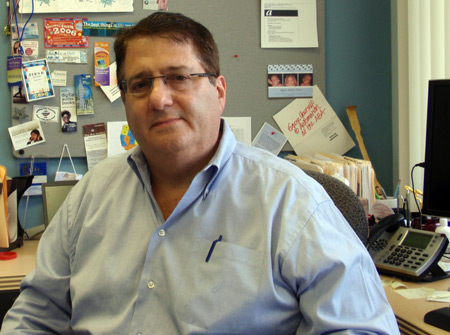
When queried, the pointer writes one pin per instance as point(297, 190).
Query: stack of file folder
point(358, 174)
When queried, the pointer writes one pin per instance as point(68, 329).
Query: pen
point(213, 245)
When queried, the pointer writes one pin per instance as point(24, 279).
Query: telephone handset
point(406, 252)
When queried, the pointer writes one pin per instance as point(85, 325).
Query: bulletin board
point(236, 27)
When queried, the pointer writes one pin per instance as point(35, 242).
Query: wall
point(358, 67)
point(358, 72)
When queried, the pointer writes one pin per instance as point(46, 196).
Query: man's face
point(66, 118)
point(165, 120)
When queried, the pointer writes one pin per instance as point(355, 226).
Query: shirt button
point(151, 284)
point(162, 232)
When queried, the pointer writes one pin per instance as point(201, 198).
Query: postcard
point(270, 139)
point(83, 94)
point(290, 81)
point(46, 113)
point(26, 135)
point(31, 31)
point(66, 56)
point(37, 79)
point(59, 78)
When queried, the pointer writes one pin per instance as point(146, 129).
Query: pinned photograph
point(68, 122)
point(26, 135)
point(290, 81)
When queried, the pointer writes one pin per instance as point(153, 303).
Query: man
point(194, 233)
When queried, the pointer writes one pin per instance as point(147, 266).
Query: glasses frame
point(123, 84)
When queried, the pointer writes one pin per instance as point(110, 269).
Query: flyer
point(312, 126)
point(95, 143)
point(64, 33)
point(289, 24)
point(101, 63)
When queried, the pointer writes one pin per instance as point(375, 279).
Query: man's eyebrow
point(169, 69)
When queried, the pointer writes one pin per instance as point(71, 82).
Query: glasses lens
point(140, 86)
point(179, 82)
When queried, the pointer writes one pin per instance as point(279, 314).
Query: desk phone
point(408, 253)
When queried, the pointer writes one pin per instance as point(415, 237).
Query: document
point(241, 128)
point(120, 138)
point(312, 126)
point(112, 90)
point(95, 143)
point(289, 24)
point(75, 6)
point(270, 139)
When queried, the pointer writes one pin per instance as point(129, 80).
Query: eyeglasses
point(140, 87)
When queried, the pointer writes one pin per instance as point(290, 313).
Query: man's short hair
point(173, 26)
point(66, 113)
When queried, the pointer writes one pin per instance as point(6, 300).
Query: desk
point(410, 312)
point(13, 271)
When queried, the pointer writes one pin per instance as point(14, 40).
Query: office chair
point(346, 201)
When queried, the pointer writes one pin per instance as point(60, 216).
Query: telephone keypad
point(405, 256)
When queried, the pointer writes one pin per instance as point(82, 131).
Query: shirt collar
point(227, 144)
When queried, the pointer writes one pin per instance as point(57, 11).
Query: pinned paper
point(241, 128)
point(270, 139)
point(312, 126)
point(101, 63)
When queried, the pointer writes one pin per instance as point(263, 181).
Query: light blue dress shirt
point(288, 262)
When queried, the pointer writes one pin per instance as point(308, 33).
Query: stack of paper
point(358, 174)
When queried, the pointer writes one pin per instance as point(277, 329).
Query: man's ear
point(221, 87)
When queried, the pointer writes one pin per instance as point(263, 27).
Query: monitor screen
point(53, 195)
point(436, 188)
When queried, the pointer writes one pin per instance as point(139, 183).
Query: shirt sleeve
point(44, 305)
point(338, 288)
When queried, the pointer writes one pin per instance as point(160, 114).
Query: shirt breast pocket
point(219, 294)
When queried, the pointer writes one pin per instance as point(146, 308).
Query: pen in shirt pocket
point(213, 245)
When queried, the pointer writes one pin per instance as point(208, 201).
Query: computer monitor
point(436, 185)
point(53, 195)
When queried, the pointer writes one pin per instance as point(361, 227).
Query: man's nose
point(160, 94)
